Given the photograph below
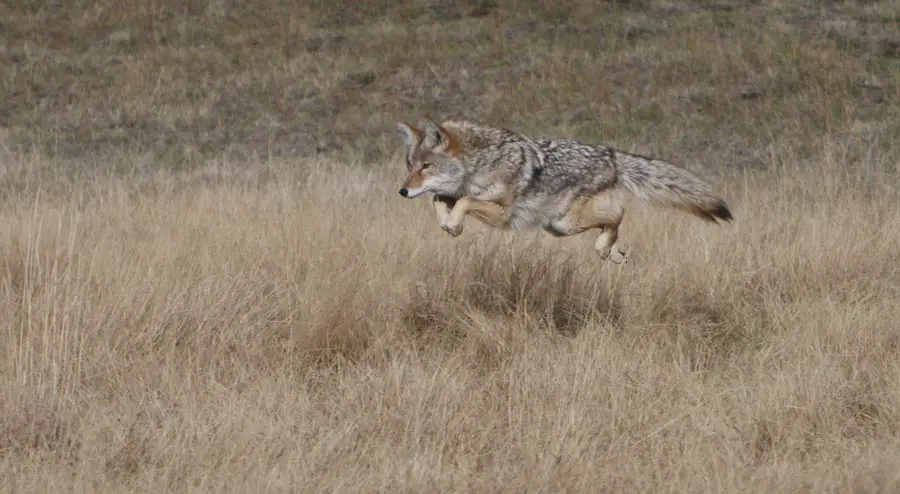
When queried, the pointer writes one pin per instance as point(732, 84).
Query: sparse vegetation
point(209, 282)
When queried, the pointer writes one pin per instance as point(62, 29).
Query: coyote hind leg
point(606, 245)
point(602, 212)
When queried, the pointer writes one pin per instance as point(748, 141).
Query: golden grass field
point(240, 301)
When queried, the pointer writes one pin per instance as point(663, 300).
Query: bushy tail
point(657, 182)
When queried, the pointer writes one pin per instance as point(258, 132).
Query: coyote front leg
point(489, 213)
point(442, 206)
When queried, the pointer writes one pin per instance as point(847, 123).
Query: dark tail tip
point(721, 211)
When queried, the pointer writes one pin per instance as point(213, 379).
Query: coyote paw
point(453, 230)
point(615, 256)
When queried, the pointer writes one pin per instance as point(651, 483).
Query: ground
point(209, 282)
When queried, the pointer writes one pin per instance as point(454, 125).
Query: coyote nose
point(404, 192)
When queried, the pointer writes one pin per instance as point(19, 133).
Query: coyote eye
point(426, 165)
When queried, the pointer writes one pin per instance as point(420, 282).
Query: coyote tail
point(657, 182)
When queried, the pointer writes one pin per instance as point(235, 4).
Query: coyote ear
point(410, 133)
point(433, 132)
point(440, 137)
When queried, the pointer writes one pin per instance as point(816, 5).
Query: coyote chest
point(488, 187)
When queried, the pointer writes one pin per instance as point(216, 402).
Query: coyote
point(511, 181)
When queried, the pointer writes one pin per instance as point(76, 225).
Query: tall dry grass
point(208, 282)
point(288, 326)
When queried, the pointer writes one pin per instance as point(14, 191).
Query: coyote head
point(432, 160)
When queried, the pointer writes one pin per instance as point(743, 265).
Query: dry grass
point(209, 283)
point(284, 335)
